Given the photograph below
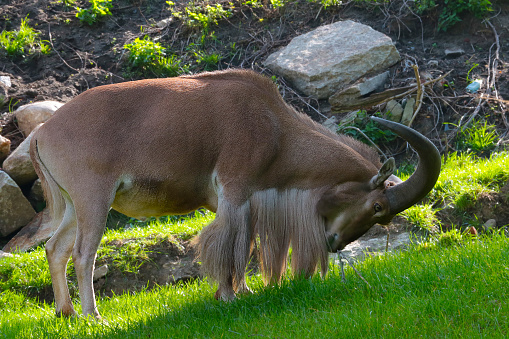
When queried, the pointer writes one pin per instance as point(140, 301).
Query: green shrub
point(22, 42)
point(98, 9)
point(147, 57)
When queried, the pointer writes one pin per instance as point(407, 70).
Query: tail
point(52, 192)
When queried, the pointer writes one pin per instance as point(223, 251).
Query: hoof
point(66, 313)
point(225, 295)
point(244, 290)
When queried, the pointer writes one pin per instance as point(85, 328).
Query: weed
point(200, 16)
point(478, 138)
point(469, 80)
point(22, 42)
point(149, 58)
point(98, 9)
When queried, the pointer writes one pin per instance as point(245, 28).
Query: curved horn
point(416, 187)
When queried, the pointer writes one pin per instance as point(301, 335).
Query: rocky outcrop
point(333, 56)
point(15, 210)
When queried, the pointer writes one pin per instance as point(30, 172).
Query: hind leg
point(58, 252)
point(91, 216)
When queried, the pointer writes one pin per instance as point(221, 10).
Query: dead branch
point(378, 98)
point(418, 98)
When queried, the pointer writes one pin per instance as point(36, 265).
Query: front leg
point(225, 290)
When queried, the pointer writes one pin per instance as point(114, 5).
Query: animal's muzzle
point(334, 243)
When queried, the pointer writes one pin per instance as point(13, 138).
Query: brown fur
point(225, 141)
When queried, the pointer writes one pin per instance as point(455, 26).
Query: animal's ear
point(328, 204)
point(383, 174)
point(333, 200)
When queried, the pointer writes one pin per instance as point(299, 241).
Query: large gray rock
point(31, 115)
point(15, 210)
point(19, 165)
point(333, 56)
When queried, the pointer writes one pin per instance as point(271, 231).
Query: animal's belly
point(142, 201)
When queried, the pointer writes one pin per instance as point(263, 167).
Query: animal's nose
point(334, 243)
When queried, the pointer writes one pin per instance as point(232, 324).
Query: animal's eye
point(377, 207)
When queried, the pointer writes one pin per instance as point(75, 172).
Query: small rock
point(5, 81)
point(5, 147)
point(5, 254)
point(408, 112)
point(373, 84)
point(354, 94)
point(163, 23)
point(433, 63)
point(100, 272)
point(454, 52)
point(490, 225)
point(395, 110)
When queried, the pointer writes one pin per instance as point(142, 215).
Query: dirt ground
point(85, 56)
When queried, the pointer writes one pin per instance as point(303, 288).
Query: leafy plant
point(370, 128)
point(22, 42)
point(200, 16)
point(479, 138)
point(149, 58)
point(98, 9)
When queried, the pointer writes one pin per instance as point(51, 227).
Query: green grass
point(22, 42)
point(463, 179)
point(427, 291)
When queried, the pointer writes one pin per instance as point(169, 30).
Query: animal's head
point(352, 208)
